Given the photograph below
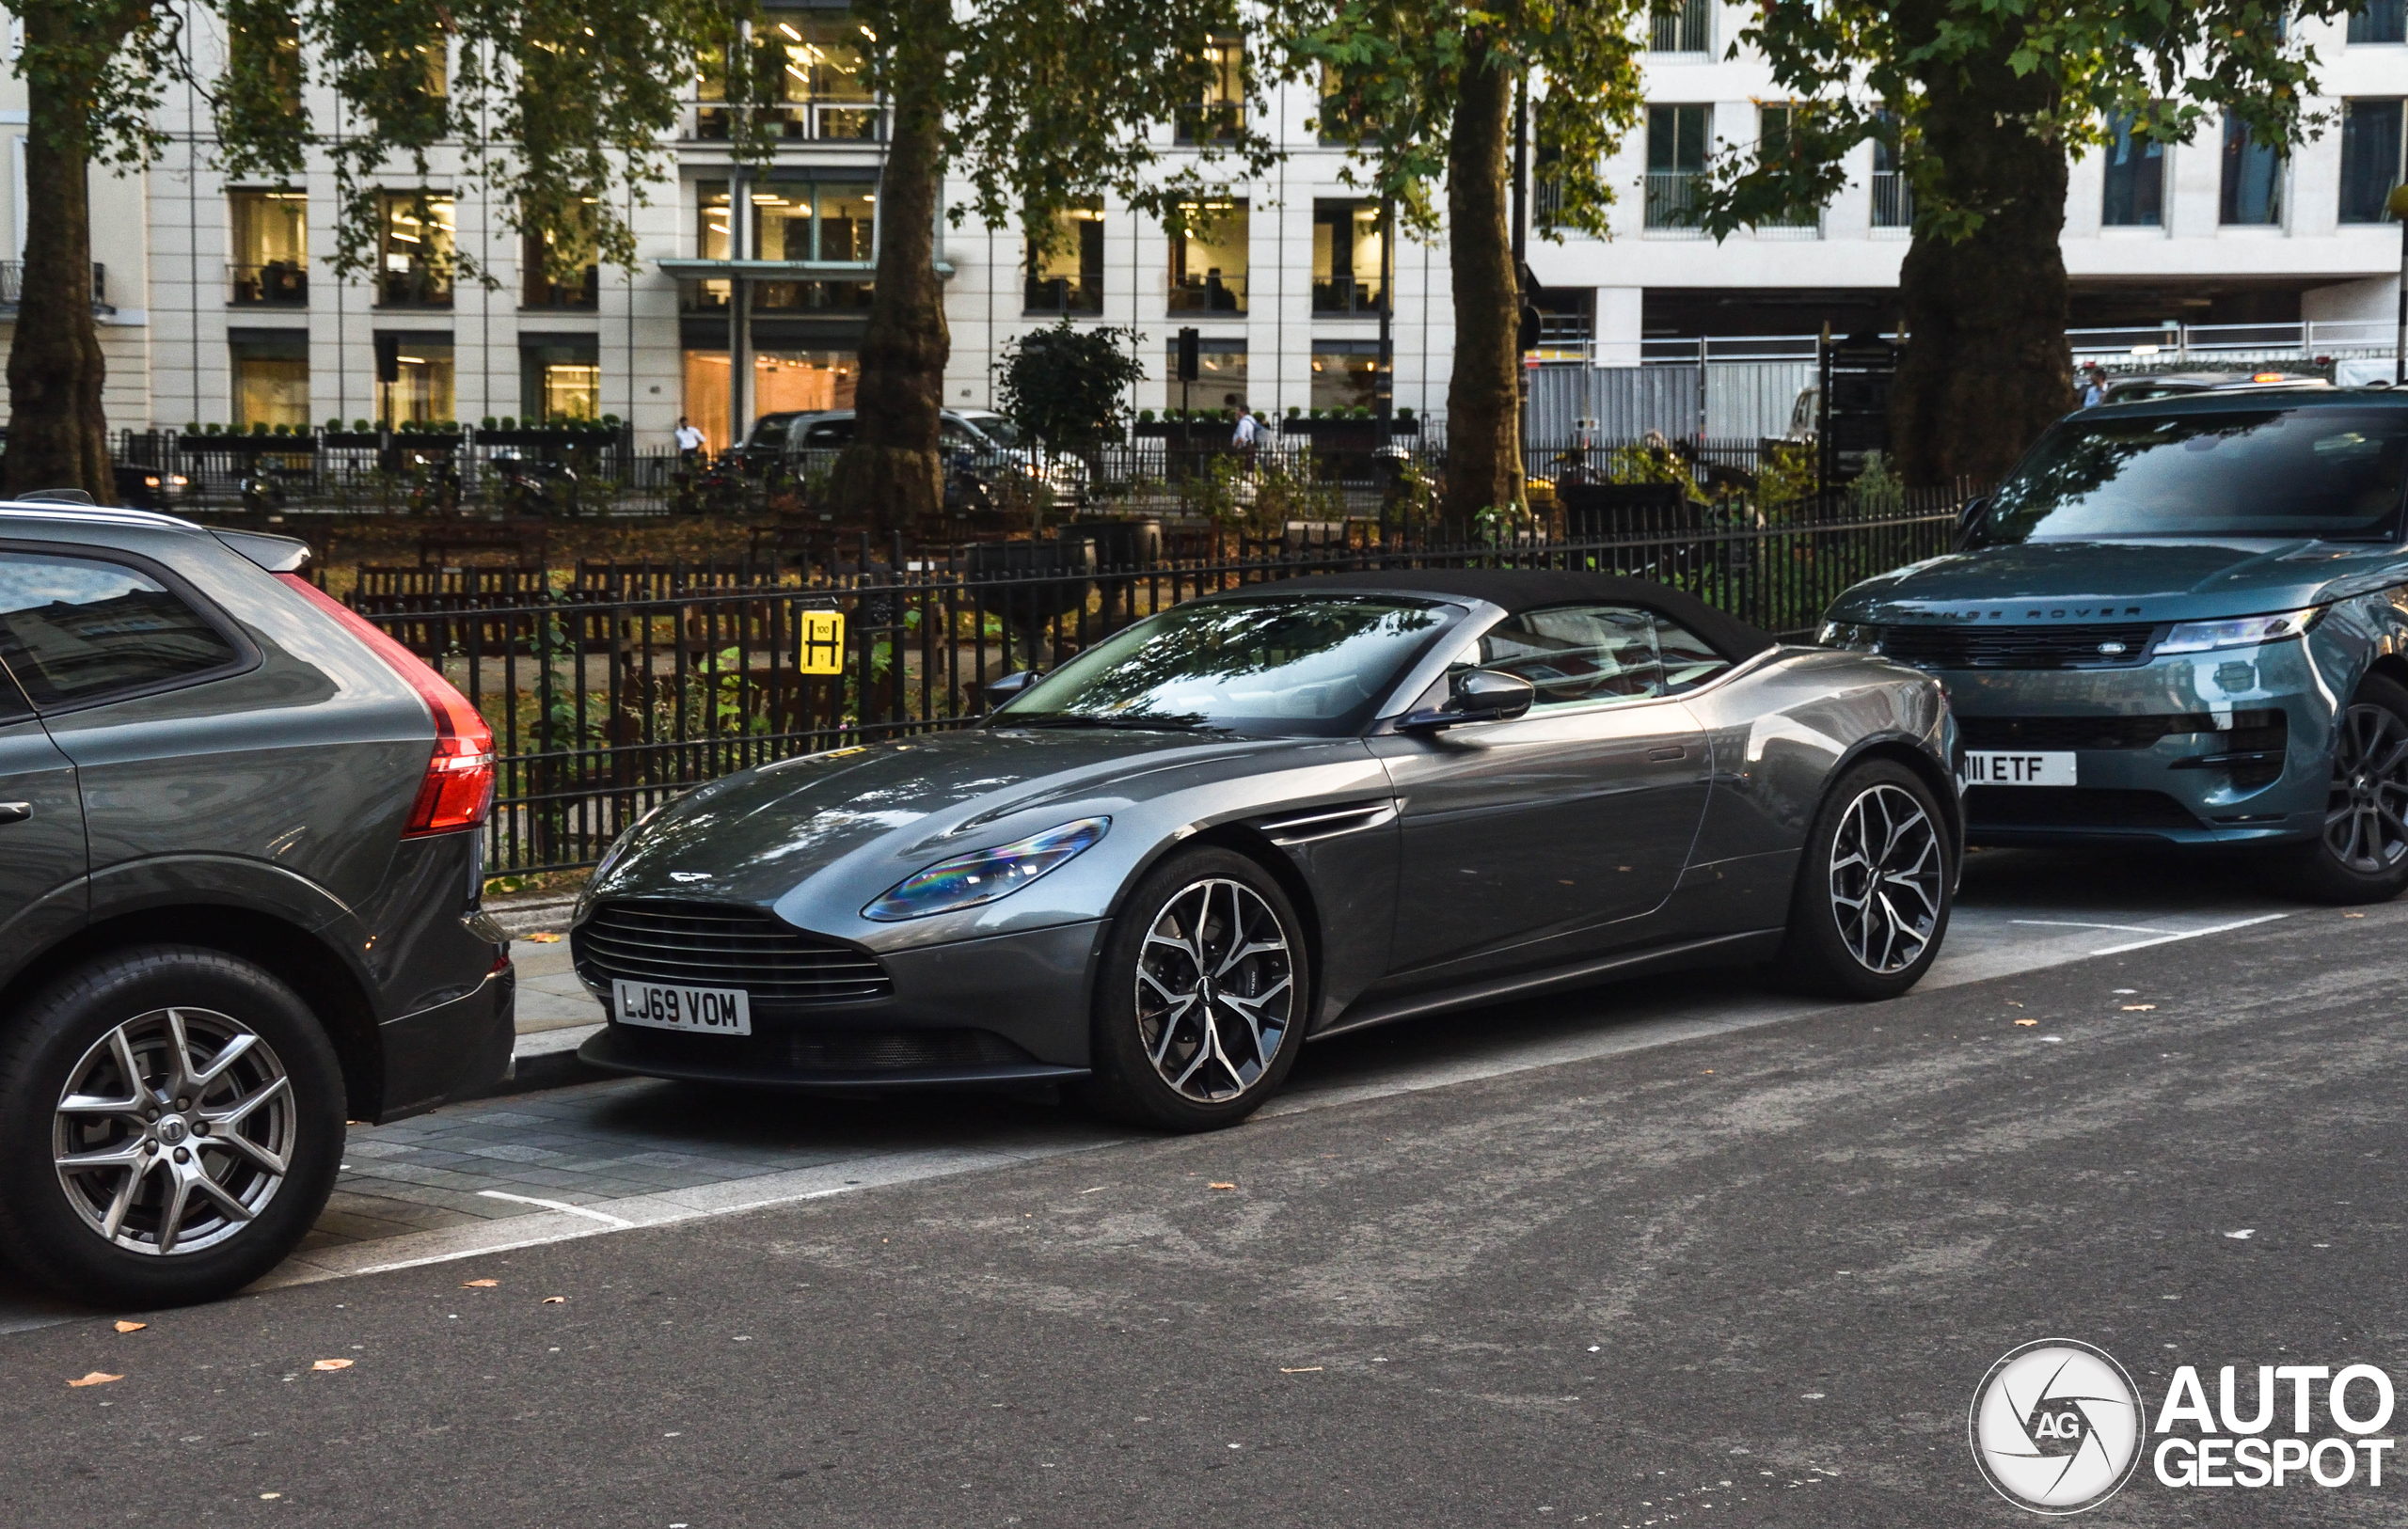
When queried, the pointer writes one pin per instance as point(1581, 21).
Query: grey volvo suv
point(239, 861)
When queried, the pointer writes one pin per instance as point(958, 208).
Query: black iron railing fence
point(608, 698)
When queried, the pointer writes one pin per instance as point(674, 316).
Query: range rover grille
point(2019, 647)
point(707, 945)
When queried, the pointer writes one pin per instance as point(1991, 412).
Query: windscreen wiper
point(1127, 721)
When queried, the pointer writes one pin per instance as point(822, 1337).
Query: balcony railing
point(1346, 294)
point(12, 276)
point(277, 284)
point(1209, 294)
point(1064, 295)
point(771, 298)
point(1673, 198)
point(542, 292)
point(1217, 121)
point(1893, 201)
point(415, 287)
point(858, 123)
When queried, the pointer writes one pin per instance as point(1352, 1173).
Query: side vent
point(1290, 829)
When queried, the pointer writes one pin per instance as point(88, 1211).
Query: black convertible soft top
point(1519, 590)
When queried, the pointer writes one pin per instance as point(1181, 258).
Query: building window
point(2370, 145)
point(1220, 112)
point(417, 228)
point(1338, 120)
point(272, 45)
point(1220, 375)
point(2135, 194)
point(1893, 199)
point(783, 381)
point(2253, 177)
point(270, 232)
point(420, 386)
point(1208, 258)
point(582, 290)
point(560, 379)
point(1684, 26)
point(811, 77)
point(1346, 373)
point(1348, 236)
point(822, 222)
point(1772, 147)
point(271, 380)
point(2379, 21)
point(1069, 277)
point(1675, 163)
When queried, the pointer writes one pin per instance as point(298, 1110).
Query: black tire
point(1845, 939)
point(2362, 854)
point(1206, 896)
point(64, 1036)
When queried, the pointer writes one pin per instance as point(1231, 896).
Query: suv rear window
point(74, 630)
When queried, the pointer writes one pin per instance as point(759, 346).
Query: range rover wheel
point(2362, 854)
point(1874, 888)
point(1203, 996)
point(171, 1121)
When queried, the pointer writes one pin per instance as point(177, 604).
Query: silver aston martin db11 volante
point(1277, 814)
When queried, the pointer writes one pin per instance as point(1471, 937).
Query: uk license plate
point(703, 1011)
point(2006, 767)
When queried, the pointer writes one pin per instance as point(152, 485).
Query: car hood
point(2045, 582)
point(754, 836)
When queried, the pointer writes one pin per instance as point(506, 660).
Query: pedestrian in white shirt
point(690, 441)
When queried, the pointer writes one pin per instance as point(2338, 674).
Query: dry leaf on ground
point(1220, 1185)
point(555, 1300)
point(478, 1285)
point(332, 1364)
point(1302, 1369)
point(132, 1326)
point(2138, 1008)
point(546, 937)
point(2027, 1021)
point(96, 1378)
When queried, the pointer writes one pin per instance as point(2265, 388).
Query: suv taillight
point(457, 792)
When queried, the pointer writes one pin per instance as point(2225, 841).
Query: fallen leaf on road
point(479, 1285)
point(132, 1326)
point(2138, 1008)
point(2242, 1235)
point(1220, 1185)
point(555, 1300)
point(96, 1378)
point(1302, 1369)
point(332, 1364)
point(2353, 915)
point(546, 937)
point(2012, 1004)
point(2027, 1021)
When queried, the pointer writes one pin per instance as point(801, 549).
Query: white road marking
point(614, 1222)
point(2190, 933)
point(2071, 923)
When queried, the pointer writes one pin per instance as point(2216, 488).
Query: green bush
point(362, 425)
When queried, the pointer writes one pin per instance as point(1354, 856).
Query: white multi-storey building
point(222, 308)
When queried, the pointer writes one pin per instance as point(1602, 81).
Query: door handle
point(15, 812)
point(1668, 752)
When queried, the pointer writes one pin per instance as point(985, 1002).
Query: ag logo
point(2056, 1426)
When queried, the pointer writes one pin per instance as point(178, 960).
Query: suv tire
point(238, 1085)
point(2361, 854)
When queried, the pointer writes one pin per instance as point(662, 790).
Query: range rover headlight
point(985, 874)
point(2240, 632)
point(1856, 637)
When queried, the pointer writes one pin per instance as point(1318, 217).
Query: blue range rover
point(2182, 620)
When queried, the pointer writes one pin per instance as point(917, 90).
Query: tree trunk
point(1484, 400)
point(58, 433)
point(890, 476)
point(1987, 366)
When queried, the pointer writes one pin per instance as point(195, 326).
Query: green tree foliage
point(1068, 386)
point(1983, 101)
point(1423, 91)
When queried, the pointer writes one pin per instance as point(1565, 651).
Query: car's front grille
point(2017, 647)
point(2071, 807)
point(2089, 731)
point(707, 945)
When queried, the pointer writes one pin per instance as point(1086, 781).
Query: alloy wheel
point(1887, 878)
point(1215, 989)
point(2366, 816)
point(174, 1131)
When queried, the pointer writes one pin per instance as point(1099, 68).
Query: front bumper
point(1008, 1011)
point(2164, 791)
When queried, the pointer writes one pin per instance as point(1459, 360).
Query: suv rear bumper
point(452, 1049)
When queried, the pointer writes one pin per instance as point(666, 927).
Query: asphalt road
point(1736, 1276)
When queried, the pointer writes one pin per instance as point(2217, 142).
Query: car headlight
point(985, 874)
point(1856, 637)
point(2241, 632)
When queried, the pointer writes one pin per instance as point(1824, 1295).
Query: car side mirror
point(1477, 695)
point(1001, 690)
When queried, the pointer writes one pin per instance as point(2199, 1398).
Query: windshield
point(2272, 472)
point(1313, 667)
point(995, 427)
